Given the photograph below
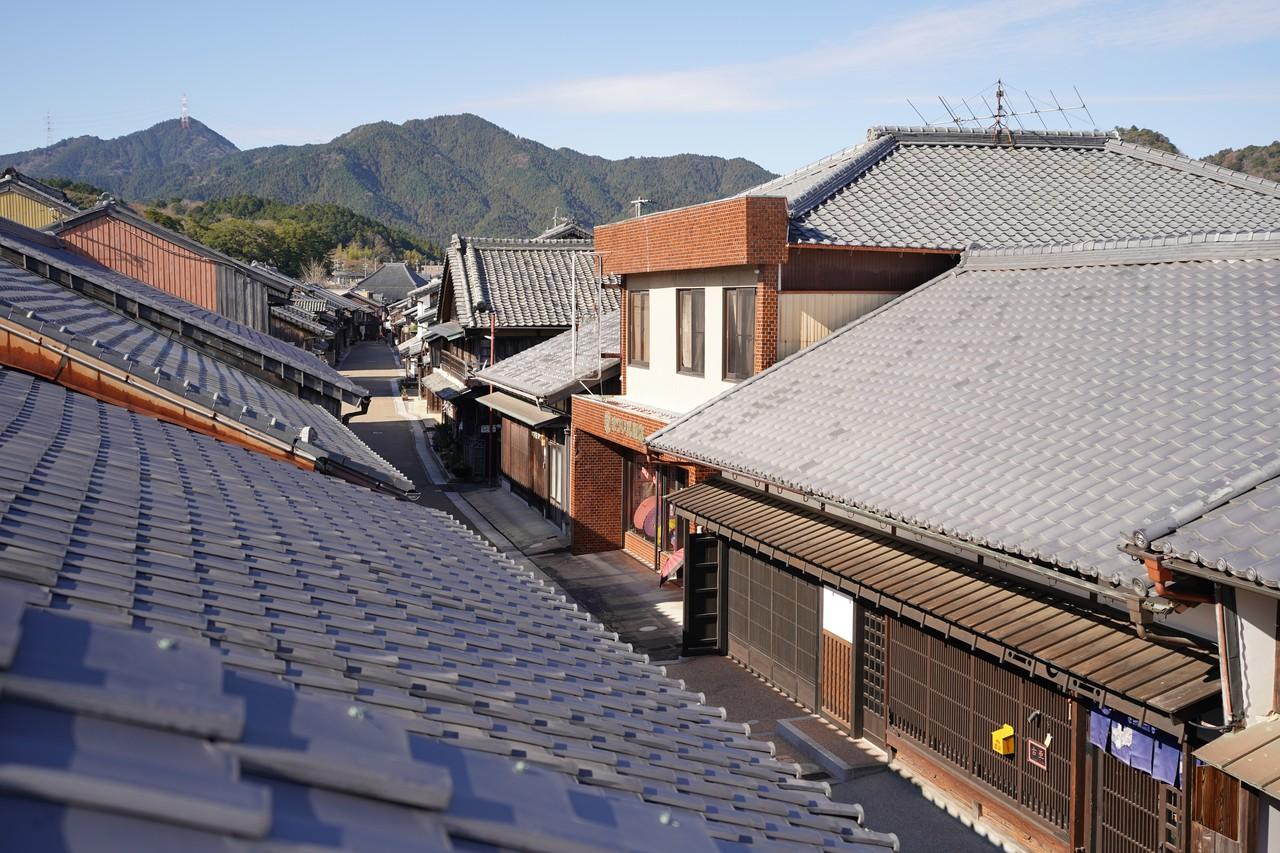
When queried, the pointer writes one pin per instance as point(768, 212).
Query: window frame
point(632, 361)
point(698, 328)
point(749, 296)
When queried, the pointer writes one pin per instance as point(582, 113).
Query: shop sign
point(1038, 754)
point(625, 427)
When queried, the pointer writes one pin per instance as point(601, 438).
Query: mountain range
point(434, 177)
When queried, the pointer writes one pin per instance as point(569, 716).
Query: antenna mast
point(48, 128)
point(184, 121)
point(997, 120)
point(639, 202)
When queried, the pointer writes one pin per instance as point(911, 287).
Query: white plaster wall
point(837, 613)
point(1257, 653)
point(659, 384)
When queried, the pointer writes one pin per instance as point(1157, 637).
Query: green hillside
point(432, 176)
point(1262, 161)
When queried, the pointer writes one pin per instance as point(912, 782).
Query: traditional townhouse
point(532, 392)
point(116, 237)
point(499, 297)
point(717, 292)
point(33, 204)
point(393, 281)
point(915, 528)
point(248, 350)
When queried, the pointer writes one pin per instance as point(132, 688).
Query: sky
point(778, 84)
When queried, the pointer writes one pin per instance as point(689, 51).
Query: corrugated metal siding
point(143, 256)
point(806, 318)
point(17, 207)
point(242, 299)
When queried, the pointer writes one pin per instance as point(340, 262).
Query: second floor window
point(638, 328)
point(739, 332)
point(691, 320)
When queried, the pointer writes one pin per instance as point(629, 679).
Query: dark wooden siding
point(242, 299)
point(853, 269)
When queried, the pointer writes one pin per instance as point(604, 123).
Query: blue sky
point(780, 84)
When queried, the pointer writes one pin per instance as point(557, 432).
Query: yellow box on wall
point(1002, 740)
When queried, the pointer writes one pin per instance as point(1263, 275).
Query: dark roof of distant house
point(1039, 402)
point(545, 373)
point(85, 325)
point(525, 283)
point(947, 188)
point(11, 179)
point(51, 250)
point(362, 640)
point(302, 318)
point(394, 281)
point(271, 279)
point(567, 230)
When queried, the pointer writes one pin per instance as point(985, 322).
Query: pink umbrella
point(673, 563)
point(646, 516)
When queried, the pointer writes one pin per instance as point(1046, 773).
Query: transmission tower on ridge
point(48, 128)
point(184, 121)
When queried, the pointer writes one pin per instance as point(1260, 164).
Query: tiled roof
point(544, 372)
point(948, 188)
point(88, 326)
point(49, 249)
point(119, 739)
point(1240, 536)
point(1040, 403)
point(12, 178)
point(392, 613)
point(310, 304)
point(393, 281)
point(527, 283)
point(567, 230)
point(301, 318)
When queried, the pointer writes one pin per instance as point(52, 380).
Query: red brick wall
point(588, 415)
point(596, 494)
point(766, 317)
point(731, 232)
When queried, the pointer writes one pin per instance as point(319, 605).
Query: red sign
point(1037, 754)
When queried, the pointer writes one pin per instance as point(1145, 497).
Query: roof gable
point(523, 283)
point(948, 188)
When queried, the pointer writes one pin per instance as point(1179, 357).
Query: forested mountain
point(1260, 160)
point(1148, 137)
point(431, 176)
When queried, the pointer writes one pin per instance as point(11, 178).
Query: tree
point(314, 271)
point(241, 239)
point(164, 220)
point(1148, 137)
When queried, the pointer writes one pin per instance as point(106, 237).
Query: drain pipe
point(1229, 655)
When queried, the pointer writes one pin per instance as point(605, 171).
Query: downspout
point(1165, 580)
point(362, 410)
point(1229, 655)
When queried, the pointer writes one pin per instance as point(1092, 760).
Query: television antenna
point(639, 203)
point(997, 119)
point(184, 120)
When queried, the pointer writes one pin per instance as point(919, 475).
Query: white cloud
point(989, 31)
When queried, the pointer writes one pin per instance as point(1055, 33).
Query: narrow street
point(375, 366)
point(626, 600)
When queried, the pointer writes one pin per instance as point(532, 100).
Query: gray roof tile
point(1045, 404)
point(469, 688)
point(544, 372)
point(947, 188)
point(394, 281)
point(526, 283)
point(50, 250)
point(90, 327)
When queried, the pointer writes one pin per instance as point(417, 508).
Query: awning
point(440, 385)
point(1088, 652)
point(517, 409)
point(1251, 755)
point(449, 331)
